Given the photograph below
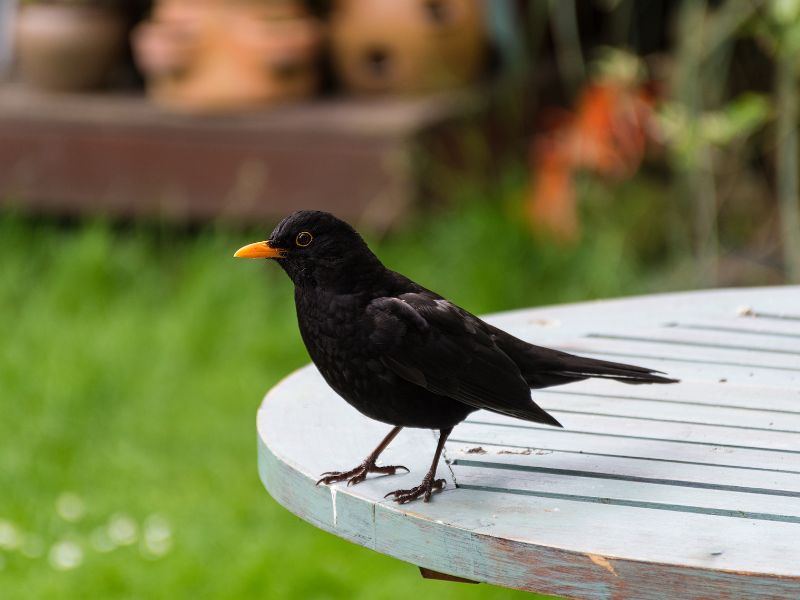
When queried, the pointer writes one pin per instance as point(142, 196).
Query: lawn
point(133, 361)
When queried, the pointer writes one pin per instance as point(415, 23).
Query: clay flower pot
point(67, 47)
point(217, 54)
point(408, 46)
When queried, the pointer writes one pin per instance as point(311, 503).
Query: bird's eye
point(303, 239)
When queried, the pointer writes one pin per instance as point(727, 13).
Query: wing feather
point(432, 343)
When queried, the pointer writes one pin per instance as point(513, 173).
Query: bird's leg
point(359, 474)
point(429, 484)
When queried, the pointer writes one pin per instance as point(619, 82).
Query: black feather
point(404, 355)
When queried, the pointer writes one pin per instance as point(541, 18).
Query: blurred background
point(505, 153)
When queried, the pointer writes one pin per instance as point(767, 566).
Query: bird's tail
point(543, 367)
point(578, 367)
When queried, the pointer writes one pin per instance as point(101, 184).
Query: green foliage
point(132, 366)
point(779, 27)
point(739, 118)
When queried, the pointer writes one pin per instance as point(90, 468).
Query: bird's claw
point(424, 489)
point(359, 474)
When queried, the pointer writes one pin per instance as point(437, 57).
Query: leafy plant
point(779, 32)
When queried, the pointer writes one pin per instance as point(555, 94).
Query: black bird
point(402, 354)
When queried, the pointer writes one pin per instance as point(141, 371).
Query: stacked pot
point(222, 54)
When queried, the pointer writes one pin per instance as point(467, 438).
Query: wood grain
point(121, 156)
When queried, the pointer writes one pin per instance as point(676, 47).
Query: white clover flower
point(122, 530)
point(65, 555)
point(70, 507)
point(157, 539)
point(10, 536)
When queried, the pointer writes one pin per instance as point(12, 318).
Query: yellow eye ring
point(303, 239)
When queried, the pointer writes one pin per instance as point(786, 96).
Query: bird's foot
point(425, 489)
point(359, 474)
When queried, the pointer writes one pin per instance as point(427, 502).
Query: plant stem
point(706, 211)
point(569, 56)
point(787, 163)
point(696, 178)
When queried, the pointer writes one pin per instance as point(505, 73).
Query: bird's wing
point(432, 343)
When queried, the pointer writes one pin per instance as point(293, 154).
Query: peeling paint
point(545, 322)
point(449, 466)
point(602, 561)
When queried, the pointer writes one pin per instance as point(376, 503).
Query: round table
point(689, 490)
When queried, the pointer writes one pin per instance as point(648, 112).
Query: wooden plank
point(663, 495)
point(612, 443)
point(504, 557)
point(552, 323)
point(712, 435)
point(687, 353)
point(369, 117)
point(184, 174)
point(690, 369)
point(711, 340)
point(567, 403)
point(122, 156)
point(742, 326)
point(534, 460)
point(725, 394)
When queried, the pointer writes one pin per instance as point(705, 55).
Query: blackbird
point(404, 355)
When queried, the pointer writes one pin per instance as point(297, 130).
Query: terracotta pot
point(408, 45)
point(217, 54)
point(62, 47)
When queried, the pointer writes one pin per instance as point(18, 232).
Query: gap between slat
point(626, 456)
point(638, 504)
point(659, 420)
point(666, 401)
point(676, 359)
point(724, 329)
point(631, 437)
point(631, 478)
point(763, 315)
point(696, 344)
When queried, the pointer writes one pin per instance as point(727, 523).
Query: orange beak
point(260, 250)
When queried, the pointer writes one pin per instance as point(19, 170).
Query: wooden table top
point(689, 490)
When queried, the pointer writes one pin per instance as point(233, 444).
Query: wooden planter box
point(366, 160)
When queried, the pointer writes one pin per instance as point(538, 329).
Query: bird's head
point(314, 247)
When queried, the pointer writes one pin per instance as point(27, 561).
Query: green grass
point(131, 368)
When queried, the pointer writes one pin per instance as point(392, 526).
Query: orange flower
point(607, 135)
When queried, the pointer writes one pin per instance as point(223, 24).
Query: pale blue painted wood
point(684, 473)
point(662, 430)
point(766, 397)
point(690, 490)
point(613, 444)
point(567, 403)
